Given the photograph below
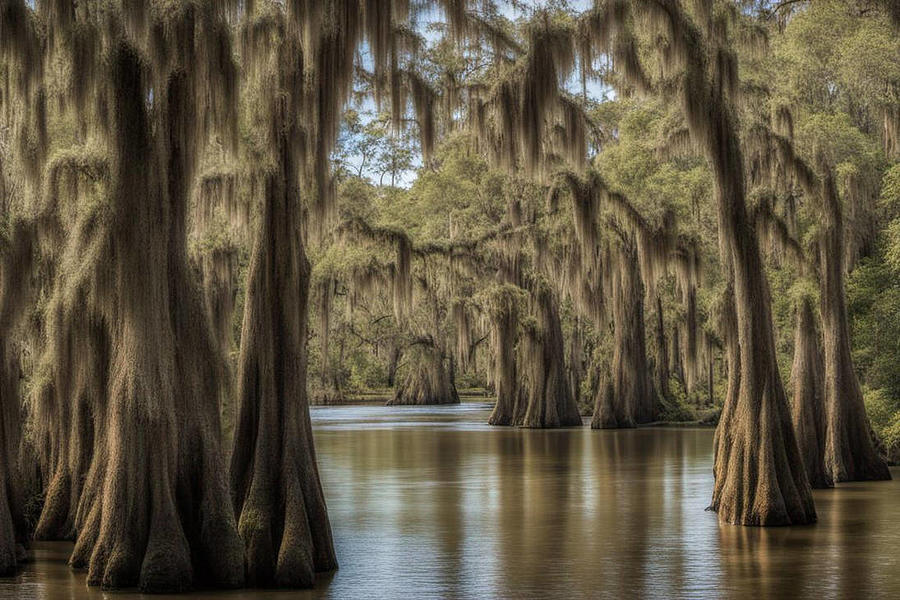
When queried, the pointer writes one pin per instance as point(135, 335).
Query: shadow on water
point(428, 502)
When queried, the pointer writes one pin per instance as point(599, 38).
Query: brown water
point(431, 503)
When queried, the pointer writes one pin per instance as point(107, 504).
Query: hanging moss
point(749, 489)
point(503, 308)
point(628, 397)
point(401, 274)
point(549, 401)
point(849, 451)
point(428, 380)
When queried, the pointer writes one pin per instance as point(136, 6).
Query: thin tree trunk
point(393, 361)
point(575, 364)
point(808, 406)
point(690, 343)
point(850, 453)
point(661, 364)
point(676, 364)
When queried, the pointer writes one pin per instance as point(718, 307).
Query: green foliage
point(830, 59)
point(874, 302)
point(884, 415)
point(679, 408)
point(835, 68)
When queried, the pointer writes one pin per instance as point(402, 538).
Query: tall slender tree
point(808, 401)
point(759, 479)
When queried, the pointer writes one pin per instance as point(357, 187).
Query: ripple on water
point(429, 502)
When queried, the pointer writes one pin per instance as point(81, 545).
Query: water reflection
point(431, 503)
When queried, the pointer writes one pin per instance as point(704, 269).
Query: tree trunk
point(575, 364)
point(12, 526)
point(808, 407)
point(759, 477)
point(15, 264)
point(277, 493)
point(65, 409)
point(393, 361)
point(850, 453)
point(152, 511)
point(690, 342)
point(676, 364)
point(628, 398)
point(549, 402)
point(661, 364)
point(504, 314)
point(428, 381)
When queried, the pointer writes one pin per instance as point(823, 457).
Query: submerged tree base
point(428, 381)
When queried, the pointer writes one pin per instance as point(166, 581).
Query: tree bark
point(504, 314)
point(549, 401)
point(850, 453)
point(808, 406)
point(65, 408)
point(15, 264)
point(393, 361)
point(759, 477)
point(275, 482)
point(152, 512)
point(12, 526)
point(627, 398)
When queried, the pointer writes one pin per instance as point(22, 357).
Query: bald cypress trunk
point(808, 406)
point(393, 361)
point(12, 526)
point(427, 381)
point(627, 398)
point(549, 400)
point(67, 405)
point(152, 511)
point(15, 262)
point(759, 477)
point(850, 453)
point(275, 484)
point(504, 314)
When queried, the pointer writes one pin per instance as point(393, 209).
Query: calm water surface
point(432, 503)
